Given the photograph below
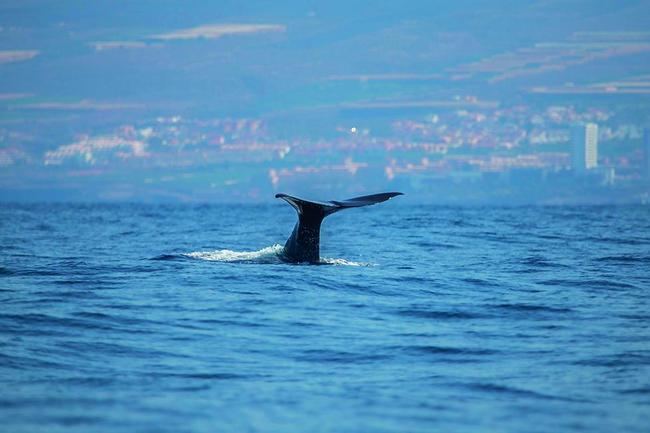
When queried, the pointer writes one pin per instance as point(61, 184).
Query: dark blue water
point(181, 318)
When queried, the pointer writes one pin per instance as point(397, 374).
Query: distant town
point(462, 151)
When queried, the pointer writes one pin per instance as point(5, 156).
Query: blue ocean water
point(181, 318)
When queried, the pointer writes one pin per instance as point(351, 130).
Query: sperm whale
point(304, 243)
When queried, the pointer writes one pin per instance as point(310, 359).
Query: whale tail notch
point(304, 243)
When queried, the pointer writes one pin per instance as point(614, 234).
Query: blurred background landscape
point(475, 102)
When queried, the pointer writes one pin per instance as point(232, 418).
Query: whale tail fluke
point(329, 207)
point(304, 243)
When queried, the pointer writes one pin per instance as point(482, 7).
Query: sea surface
point(182, 318)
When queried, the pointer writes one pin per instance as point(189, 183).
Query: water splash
point(267, 255)
point(270, 254)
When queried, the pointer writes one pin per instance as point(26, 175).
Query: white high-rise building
point(585, 147)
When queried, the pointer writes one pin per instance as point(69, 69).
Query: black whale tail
point(304, 243)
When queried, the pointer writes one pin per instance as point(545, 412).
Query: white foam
point(342, 262)
point(265, 255)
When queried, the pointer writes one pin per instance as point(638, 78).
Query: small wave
point(615, 240)
point(625, 359)
point(338, 356)
point(439, 314)
point(589, 283)
point(28, 363)
point(517, 392)
point(639, 391)
point(165, 257)
point(204, 376)
point(625, 259)
point(446, 350)
point(33, 272)
point(433, 245)
point(532, 308)
point(539, 262)
point(481, 282)
point(207, 376)
point(5, 271)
